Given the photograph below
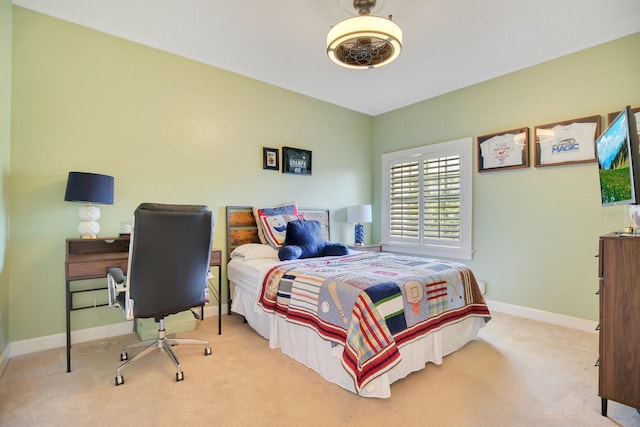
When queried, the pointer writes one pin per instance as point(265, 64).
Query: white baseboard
point(19, 348)
point(543, 316)
point(212, 310)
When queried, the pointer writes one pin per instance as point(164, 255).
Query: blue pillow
point(304, 240)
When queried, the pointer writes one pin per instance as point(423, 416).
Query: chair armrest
point(115, 285)
point(116, 273)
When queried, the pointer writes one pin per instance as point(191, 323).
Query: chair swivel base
point(161, 343)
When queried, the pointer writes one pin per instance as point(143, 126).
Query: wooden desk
point(89, 259)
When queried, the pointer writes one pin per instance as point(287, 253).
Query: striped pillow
point(289, 208)
point(274, 228)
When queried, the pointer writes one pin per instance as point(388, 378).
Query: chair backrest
point(168, 258)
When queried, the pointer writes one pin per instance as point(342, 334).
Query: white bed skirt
point(307, 347)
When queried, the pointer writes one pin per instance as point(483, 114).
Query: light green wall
point(172, 130)
point(5, 137)
point(169, 130)
point(535, 230)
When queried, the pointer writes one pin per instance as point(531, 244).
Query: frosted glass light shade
point(364, 41)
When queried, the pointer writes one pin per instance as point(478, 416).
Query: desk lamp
point(90, 188)
point(359, 214)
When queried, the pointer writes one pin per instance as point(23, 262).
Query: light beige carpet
point(517, 373)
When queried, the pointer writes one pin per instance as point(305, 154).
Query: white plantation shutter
point(442, 198)
point(405, 200)
point(427, 200)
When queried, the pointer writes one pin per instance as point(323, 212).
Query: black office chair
point(169, 257)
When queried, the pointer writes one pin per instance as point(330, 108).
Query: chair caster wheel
point(207, 351)
point(124, 356)
point(119, 380)
point(179, 376)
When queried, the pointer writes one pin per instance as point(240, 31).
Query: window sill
point(430, 251)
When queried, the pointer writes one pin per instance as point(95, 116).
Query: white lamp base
point(89, 227)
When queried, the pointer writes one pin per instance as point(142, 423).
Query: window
point(426, 200)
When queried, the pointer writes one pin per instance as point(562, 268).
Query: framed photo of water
point(296, 161)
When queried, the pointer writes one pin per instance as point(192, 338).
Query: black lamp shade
point(89, 187)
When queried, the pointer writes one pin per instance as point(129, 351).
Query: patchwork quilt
point(372, 303)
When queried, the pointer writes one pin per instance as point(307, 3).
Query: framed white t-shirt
point(567, 142)
point(502, 150)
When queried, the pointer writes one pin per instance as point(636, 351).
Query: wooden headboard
point(242, 228)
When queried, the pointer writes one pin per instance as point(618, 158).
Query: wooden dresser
point(619, 290)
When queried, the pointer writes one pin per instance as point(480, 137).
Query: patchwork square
point(387, 297)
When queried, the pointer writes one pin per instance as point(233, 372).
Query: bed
point(363, 320)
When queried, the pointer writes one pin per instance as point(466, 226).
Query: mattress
point(245, 278)
point(307, 347)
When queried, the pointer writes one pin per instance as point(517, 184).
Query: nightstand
point(367, 248)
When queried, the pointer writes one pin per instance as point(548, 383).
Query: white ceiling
point(448, 44)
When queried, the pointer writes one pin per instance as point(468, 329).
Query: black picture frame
point(614, 114)
point(270, 158)
point(509, 150)
point(296, 161)
point(546, 134)
point(611, 116)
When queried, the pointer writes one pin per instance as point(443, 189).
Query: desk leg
point(219, 300)
point(68, 290)
point(228, 297)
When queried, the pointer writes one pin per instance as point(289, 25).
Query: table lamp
point(359, 214)
point(90, 188)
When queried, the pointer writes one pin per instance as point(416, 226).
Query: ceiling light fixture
point(364, 41)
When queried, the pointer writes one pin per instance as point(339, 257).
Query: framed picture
point(636, 113)
point(503, 150)
point(296, 161)
point(567, 142)
point(270, 159)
